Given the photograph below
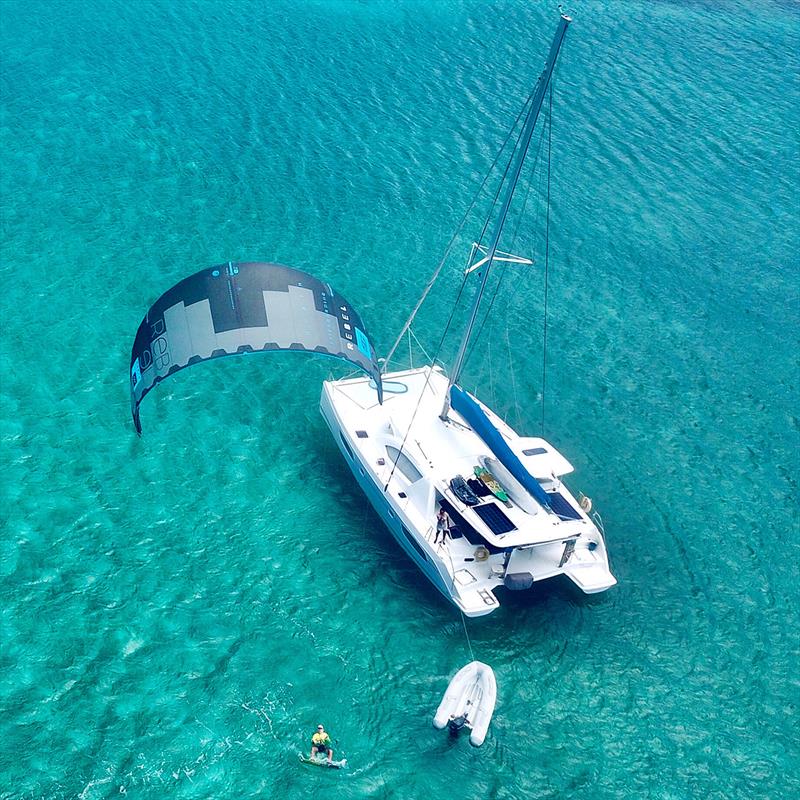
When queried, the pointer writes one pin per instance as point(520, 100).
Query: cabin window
point(404, 464)
point(346, 446)
point(362, 434)
point(414, 543)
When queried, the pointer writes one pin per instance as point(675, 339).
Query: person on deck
point(442, 526)
point(321, 743)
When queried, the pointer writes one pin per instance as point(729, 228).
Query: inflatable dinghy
point(469, 702)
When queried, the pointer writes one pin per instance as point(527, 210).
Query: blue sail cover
point(245, 308)
point(476, 418)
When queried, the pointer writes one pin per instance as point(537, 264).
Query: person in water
point(321, 743)
point(442, 526)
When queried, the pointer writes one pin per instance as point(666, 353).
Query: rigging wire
point(505, 266)
point(488, 216)
point(529, 106)
point(513, 378)
point(500, 184)
point(491, 373)
point(461, 224)
point(420, 345)
point(502, 180)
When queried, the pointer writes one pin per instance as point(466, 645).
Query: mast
point(522, 149)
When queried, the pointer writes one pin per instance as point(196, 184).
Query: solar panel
point(494, 518)
point(562, 507)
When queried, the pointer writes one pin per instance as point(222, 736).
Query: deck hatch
point(403, 464)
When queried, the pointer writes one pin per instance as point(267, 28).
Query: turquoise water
point(179, 611)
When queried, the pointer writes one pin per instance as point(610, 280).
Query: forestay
point(249, 307)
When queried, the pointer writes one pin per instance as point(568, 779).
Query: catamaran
point(429, 444)
point(414, 439)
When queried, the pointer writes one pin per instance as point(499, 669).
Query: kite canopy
point(245, 308)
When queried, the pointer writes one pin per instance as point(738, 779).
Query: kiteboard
point(486, 477)
point(322, 761)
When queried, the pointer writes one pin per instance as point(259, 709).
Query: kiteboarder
point(321, 743)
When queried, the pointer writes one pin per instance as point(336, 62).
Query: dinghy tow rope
point(466, 633)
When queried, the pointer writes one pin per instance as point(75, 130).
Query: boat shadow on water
point(558, 590)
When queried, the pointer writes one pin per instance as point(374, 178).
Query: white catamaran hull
point(407, 490)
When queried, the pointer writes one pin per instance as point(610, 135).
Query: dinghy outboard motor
point(456, 724)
